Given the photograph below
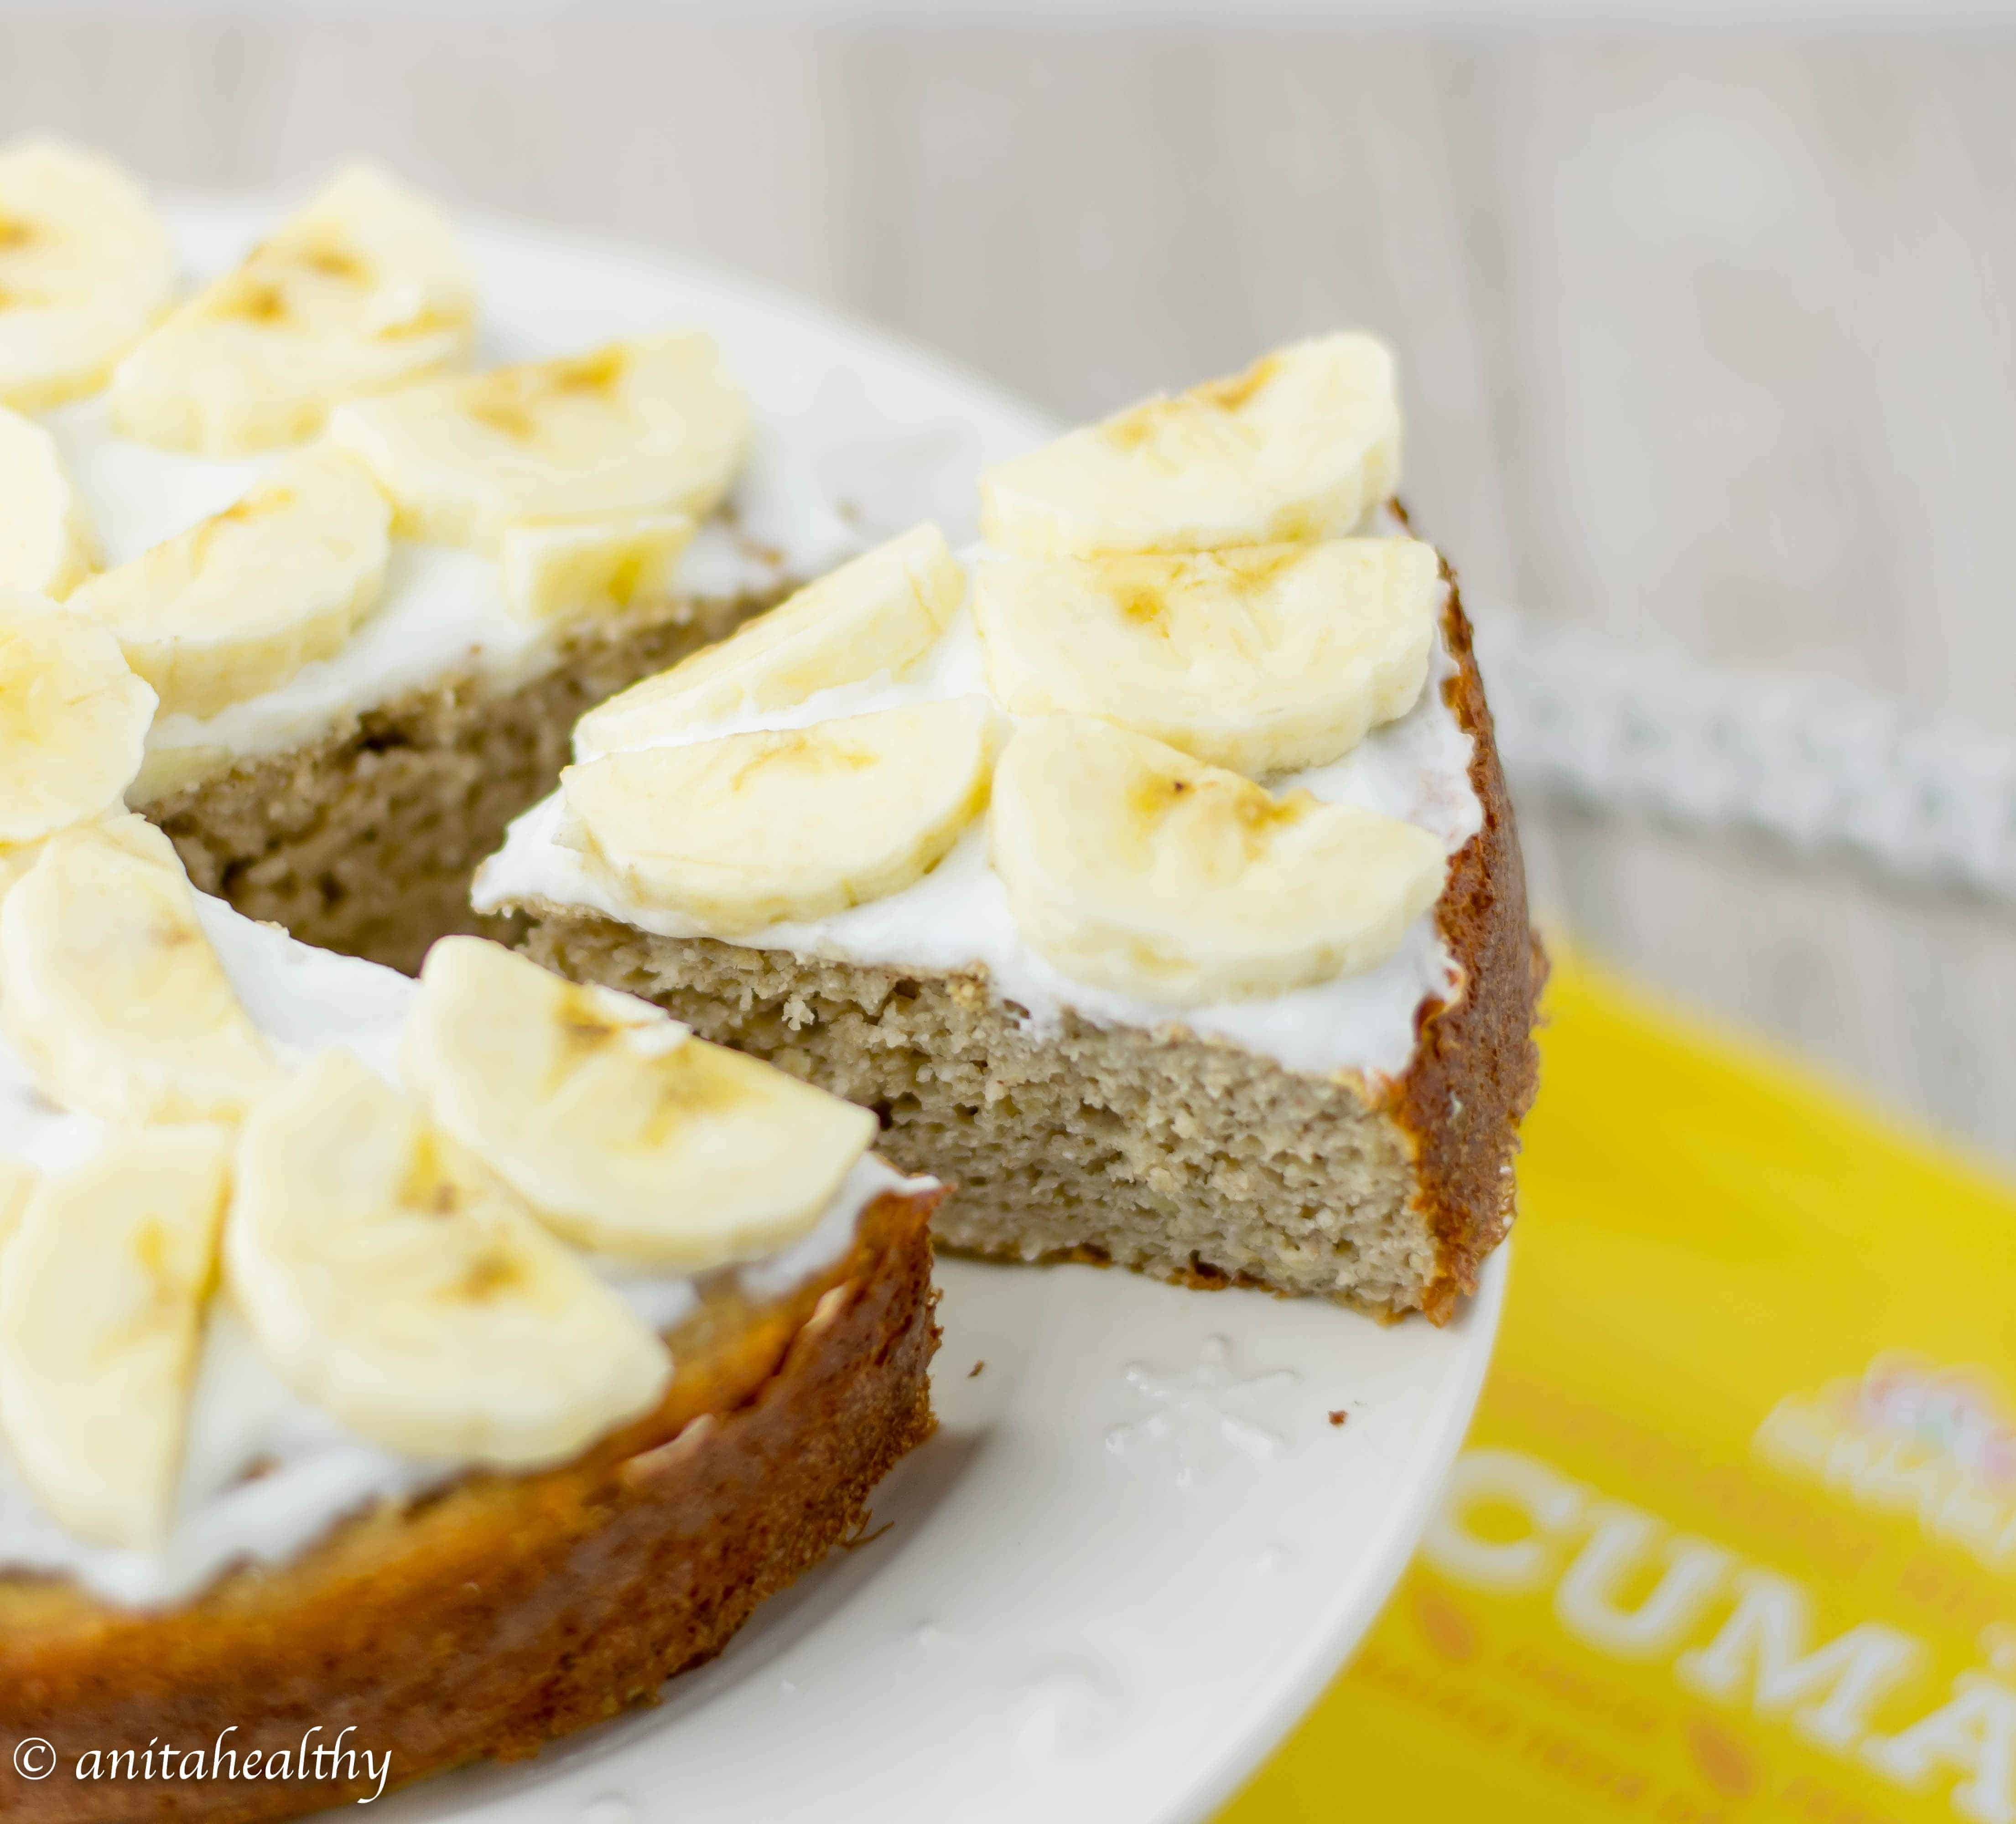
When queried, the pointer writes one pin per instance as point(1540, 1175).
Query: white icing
point(956, 918)
point(442, 613)
point(313, 1472)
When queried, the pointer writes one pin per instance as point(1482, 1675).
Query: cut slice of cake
point(1168, 899)
point(494, 1316)
point(373, 591)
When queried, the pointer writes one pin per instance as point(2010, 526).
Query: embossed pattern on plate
point(1052, 1627)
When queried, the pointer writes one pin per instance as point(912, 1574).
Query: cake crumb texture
point(1188, 1160)
point(366, 840)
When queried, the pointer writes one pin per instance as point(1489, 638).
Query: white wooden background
point(1710, 336)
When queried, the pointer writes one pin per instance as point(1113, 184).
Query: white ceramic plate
point(1138, 1546)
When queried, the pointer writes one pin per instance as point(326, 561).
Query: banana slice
point(103, 1286)
point(1134, 867)
point(73, 718)
point(1259, 659)
point(46, 546)
point(16, 862)
point(593, 569)
point(650, 427)
point(391, 1279)
point(1303, 444)
point(626, 1134)
point(363, 290)
point(752, 830)
point(109, 990)
point(880, 613)
point(242, 601)
point(85, 266)
point(18, 1180)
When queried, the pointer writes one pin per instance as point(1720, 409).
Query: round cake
point(395, 1372)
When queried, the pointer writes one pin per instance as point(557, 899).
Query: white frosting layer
point(443, 612)
point(957, 917)
point(311, 1471)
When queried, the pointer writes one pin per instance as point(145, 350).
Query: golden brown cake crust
point(508, 1610)
point(1475, 1066)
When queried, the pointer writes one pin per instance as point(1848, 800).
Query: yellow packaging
point(1734, 1534)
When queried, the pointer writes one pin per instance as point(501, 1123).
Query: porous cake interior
point(364, 841)
point(1187, 1160)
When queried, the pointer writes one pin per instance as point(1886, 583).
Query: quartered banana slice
point(752, 830)
point(85, 266)
point(46, 546)
point(394, 1281)
point(626, 1134)
point(242, 601)
point(364, 289)
point(103, 1286)
point(592, 570)
point(109, 990)
point(653, 425)
point(1303, 444)
point(1133, 867)
point(74, 718)
point(880, 613)
point(1261, 659)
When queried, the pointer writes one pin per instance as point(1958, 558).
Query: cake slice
point(446, 1363)
point(1169, 900)
point(373, 589)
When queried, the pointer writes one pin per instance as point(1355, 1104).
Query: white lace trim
point(1812, 760)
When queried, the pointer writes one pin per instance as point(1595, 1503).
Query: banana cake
point(1147, 872)
point(1148, 869)
point(493, 1315)
point(372, 590)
